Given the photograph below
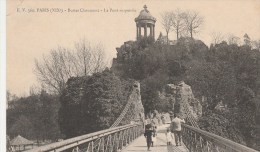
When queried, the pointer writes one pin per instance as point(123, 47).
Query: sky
point(30, 35)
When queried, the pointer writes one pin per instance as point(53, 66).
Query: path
point(139, 145)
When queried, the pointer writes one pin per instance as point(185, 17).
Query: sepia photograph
point(129, 75)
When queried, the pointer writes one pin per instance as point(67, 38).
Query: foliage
point(92, 103)
point(158, 64)
point(225, 74)
point(220, 125)
point(34, 117)
point(145, 41)
point(22, 126)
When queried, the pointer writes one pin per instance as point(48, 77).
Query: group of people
point(174, 129)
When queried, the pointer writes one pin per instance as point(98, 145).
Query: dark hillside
point(225, 77)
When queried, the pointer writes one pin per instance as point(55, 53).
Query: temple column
point(139, 31)
point(151, 31)
point(145, 30)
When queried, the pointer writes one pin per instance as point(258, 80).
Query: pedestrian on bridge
point(154, 137)
point(148, 135)
point(176, 129)
point(169, 136)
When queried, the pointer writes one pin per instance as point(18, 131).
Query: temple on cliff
point(144, 22)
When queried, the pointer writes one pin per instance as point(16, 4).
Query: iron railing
point(109, 140)
point(197, 140)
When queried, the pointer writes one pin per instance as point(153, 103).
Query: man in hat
point(176, 129)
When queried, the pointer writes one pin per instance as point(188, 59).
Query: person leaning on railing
point(176, 129)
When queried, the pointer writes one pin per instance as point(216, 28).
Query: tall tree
point(217, 37)
point(247, 40)
point(178, 24)
point(166, 20)
point(193, 22)
point(56, 68)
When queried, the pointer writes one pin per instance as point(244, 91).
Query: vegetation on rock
point(222, 74)
point(92, 103)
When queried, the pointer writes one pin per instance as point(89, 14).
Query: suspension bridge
point(129, 137)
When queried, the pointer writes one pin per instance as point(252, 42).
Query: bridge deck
point(139, 145)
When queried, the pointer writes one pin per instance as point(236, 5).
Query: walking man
point(148, 135)
point(176, 129)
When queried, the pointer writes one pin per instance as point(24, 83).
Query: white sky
point(29, 35)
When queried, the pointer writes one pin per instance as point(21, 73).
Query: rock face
point(137, 106)
point(180, 95)
point(124, 53)
point(136, 109)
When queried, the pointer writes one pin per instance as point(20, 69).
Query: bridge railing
point(109, 140)
point(197, 140)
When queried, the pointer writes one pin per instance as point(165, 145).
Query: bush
point(92, 103)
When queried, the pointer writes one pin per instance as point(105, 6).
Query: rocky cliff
point(179, 96)
point(136, 109)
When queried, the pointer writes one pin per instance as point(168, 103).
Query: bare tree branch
point(193, 22)
point(217, 37)
point(55, 69)
point(166, 21)
point(178, 24)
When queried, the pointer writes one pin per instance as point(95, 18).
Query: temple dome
point(145, 21)
point(145, 15)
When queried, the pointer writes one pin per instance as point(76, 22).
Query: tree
point(92, 103)
point(56, 68)
point(166, 20)
point(89, 58)
point(10, 99)
point(232, 39)
point(256, 44)
point(48, 115)
point(178, 23)
point(217, 37)
point(23, 126)
point(247, 40)
point(34, 117)
point(193, 22)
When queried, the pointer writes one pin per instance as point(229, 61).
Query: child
point(169, 136)
point(154, 136)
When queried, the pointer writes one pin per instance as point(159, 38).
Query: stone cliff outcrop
point(136, 109)
point(179, 96)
